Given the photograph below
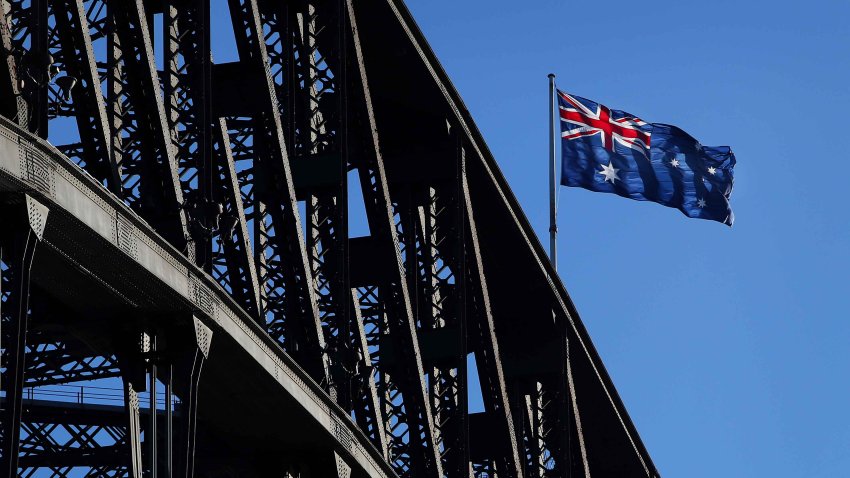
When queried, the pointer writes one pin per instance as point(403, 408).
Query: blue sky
point(729, 346)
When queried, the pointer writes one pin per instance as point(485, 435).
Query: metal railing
point(90, 395)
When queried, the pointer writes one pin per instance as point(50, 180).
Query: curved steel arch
point(192, 239)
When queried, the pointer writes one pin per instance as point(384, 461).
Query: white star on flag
point(701, 203)
point(712, 170)
point(674, 163)
point(610, 173)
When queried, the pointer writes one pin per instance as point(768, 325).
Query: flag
point(616, 152)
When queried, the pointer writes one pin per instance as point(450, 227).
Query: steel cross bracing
point(27, 30)
point(307, 73)
point(312, 107)
point(386, 303)
point(207, 174)
point(61, 439)
point(494, 389)
point(143, 147)
point(67, 361)
point(52, 39)
point(218, 159)
point(13, 104)
point(312, 132)
point(288, 300)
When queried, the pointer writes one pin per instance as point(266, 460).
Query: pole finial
point(551, 75)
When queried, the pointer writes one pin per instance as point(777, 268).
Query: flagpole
point(553, 223)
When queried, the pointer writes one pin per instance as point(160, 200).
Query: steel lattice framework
point(153, 198)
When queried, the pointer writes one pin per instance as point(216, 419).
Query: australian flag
point(616, 152)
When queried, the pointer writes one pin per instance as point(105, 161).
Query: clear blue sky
point(729, 346)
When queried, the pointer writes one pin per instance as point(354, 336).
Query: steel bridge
point(182, 296)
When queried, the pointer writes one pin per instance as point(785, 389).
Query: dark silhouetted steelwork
point(182, 295)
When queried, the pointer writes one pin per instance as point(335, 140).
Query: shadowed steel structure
point(182, 296)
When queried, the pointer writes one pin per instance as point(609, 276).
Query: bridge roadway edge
point(33, 166)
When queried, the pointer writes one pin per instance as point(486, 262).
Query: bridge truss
point(182, 296)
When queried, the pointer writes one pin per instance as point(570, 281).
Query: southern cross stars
point(712, 170)
point(610, 173)
point(701, 203)
point(674, 163)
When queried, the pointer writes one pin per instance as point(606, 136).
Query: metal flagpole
point(553, 224)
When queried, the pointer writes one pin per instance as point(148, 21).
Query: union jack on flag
point(612, 151)
point(580, 118)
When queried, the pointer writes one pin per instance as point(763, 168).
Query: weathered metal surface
point(176, 214)
point(87, 206)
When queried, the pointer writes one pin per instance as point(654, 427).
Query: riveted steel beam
point(73, 53)
point(303, 43)
point(487, 353)
point(12, 103)
point(142, 145)
point(19, 243)
point(208, 176)
point(28, 28)
point(386, 306)
point(317, 124)
point(434, 240)
point(288, 300)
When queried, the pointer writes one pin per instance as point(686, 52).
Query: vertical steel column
point(169, 422)
point(12, 103)
point(132, 349)
point(20, 253)
point(134, 429)
point(289, 300)
point(487, 353)
point(37, 61)
point(318, 127)
point(556, 414)
point(307, 48)
point(462, 281)
point(539, 459)
point(141, 142)
point(76, 53)
point(189, 363)
point(205, 161)
point(414, 447)
point(188, 88)
point(435, 238)
point(151, 434)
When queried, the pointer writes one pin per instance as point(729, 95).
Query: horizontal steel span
point(178, 238)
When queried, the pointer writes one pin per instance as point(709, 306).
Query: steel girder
point(389, 319)
point(494, 391)
point(72, 50)
point(53, 362)
point(142, 145)
point(20, 237)
point(288, 301)
point(207, 173)
point(384, 322)
point(60, 439)
point(310, 95)
point(12, 102)
point(27, 26)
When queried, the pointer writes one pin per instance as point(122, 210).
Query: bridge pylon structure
point(182, 295)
